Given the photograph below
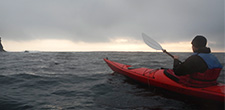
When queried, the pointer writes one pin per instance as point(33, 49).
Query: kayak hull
point(157, 78)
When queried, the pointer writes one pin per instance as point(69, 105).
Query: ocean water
point(83, 81)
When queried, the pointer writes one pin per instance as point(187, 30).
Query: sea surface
point(83, 81)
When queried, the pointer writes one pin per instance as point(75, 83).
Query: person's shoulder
point(193, 58)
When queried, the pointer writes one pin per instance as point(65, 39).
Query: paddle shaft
point(170, 55)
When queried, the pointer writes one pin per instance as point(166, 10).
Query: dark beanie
point(199, 41)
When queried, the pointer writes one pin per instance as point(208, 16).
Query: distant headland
point(1, 47)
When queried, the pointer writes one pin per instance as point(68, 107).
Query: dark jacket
point(192, 64)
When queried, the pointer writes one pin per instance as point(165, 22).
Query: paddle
point(155, 45)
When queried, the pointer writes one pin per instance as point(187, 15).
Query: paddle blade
point(151, 43)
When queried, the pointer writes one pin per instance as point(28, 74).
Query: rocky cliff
point(1, 47)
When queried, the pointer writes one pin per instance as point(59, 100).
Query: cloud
point(102, 20)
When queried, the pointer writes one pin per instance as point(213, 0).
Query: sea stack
point(1, 47)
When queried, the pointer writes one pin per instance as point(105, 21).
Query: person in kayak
point(199, 70)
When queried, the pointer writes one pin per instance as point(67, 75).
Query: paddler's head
point(198, 42)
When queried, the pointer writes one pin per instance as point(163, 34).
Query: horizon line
point(157, 51)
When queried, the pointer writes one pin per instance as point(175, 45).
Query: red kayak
point(160, 78)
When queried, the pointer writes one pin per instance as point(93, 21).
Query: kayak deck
point(156, 77)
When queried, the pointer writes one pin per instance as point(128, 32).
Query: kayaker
point(201, 69)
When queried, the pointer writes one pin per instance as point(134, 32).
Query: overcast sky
point(98, 21)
